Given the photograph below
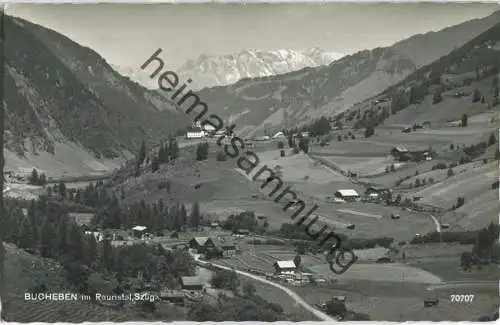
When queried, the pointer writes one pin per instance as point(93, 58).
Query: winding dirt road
point(293, 295)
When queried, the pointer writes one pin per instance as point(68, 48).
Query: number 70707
point(461, 298)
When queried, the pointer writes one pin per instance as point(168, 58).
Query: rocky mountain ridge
point(221, 70)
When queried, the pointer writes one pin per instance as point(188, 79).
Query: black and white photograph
point(261, 162)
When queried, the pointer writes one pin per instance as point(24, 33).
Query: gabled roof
point(201, 240)
point(377, 189)
point(191, 280)
point(401, 149)
point(285, 264)
point(349, 192)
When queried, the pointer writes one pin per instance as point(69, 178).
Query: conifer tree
point(27, 238)
point(183, 216)
point(173, 148)
point(33, 219)
point(155, 164)
point(161, 154)
point(62, 236)
point(76, 243)
point(195, 217)
point(106, 255)
point(33, 179)
point(62, 190)
point(142, 154)
point(47, 241)
point(492, 140)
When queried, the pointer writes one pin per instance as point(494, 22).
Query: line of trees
point(90, 266)
point(484, 240)
point(167, 152)
point(111, 213)
point(37, 179)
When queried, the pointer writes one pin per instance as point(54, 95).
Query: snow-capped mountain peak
point(217, 70)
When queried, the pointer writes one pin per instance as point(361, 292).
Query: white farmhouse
point(347, 195)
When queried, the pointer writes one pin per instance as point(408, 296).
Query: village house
point(400, 153)
point(285, 267)
point(201, 244)
point(81, 218)
point(228, 249)
point(420, 155)
point(214, 225)
point(340, 298)
point(204, 245)
point(192, 283)
point(139, 231)
point(378, 193)
point(279, 135)
point(209, 129)
point(347, 195)
point(195, 131)
point(174, 297)
point(97, 235)
point(195, 134)
point(261, 220)
point(241, 232)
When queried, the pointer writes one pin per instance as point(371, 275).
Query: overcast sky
point(127, 34)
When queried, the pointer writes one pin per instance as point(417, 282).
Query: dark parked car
point(429, 302)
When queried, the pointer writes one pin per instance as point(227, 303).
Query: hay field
point(396, 273)
point(362, 166)
point(440, 175)
point(468, 184)
point(480, 210)
point(296, 167)
point(385, 301)
point(373, 220)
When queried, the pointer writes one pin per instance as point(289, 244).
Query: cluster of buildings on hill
point(197, 131)
point(401, 153)
point(373, 194)
point(213, 247)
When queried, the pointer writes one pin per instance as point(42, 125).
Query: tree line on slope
point(89, 266)
point(485, 241)
point(93, 266)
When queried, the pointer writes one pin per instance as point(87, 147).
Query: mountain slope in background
point(440, 91)
point(222, 70)
point(60, 93)
point(209, 70)
point(458, 89)
point(266, 104)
